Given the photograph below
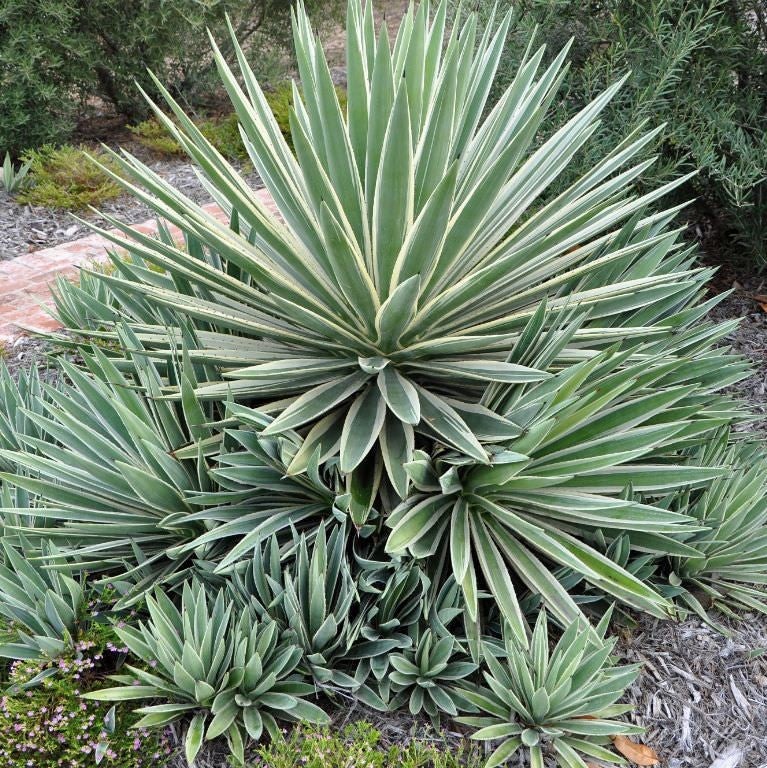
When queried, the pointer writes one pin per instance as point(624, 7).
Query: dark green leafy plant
point(564, 699)
point(700, 67)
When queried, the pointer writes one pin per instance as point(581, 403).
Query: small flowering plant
point(45, 722)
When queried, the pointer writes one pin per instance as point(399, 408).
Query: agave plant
point(46, 608)
point(730, 569)
point(559, 702)
point(424, 677)
point(416, 295)
point(423, 337)
point(107, 486)
point(313, 598)
point(13, 177)
point(19, 395)
point(232, 673)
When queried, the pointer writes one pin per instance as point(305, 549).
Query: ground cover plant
point(62, 177)
point(382, 447)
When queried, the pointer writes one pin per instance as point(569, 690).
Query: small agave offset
point(429, 393)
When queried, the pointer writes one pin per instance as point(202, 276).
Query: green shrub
point(152, 135)
point(56, 55)
point(222, 132)
point(280, 100)
point(63, 178)
point(699, 67)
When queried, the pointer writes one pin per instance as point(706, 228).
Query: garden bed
point(27, 228)
point(474, 457)
point(701, 695)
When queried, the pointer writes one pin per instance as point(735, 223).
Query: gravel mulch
point(701, 696)
point(25, 353)
point(750, 340)
point(25, 228)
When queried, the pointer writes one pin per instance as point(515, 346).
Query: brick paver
point(25, 281)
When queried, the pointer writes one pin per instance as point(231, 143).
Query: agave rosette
point(420, 292)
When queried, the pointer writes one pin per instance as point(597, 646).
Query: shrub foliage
point(56, 55)
point(370, 438)
point(700, 67)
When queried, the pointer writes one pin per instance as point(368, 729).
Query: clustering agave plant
point(46, 608)
point(314, 601)
point(731, 564)
point(231, 671)
point(417, 304)
point(428, 390)
point(424, 677)
point(564, 700)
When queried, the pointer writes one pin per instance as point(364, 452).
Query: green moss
point(360, 744)
point(65, 178)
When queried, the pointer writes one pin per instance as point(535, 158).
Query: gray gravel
point(750, 340)
point(25, 228)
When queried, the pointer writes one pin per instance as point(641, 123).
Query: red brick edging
point(25, 281)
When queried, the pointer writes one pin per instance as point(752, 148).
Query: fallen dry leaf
point(639, 754)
